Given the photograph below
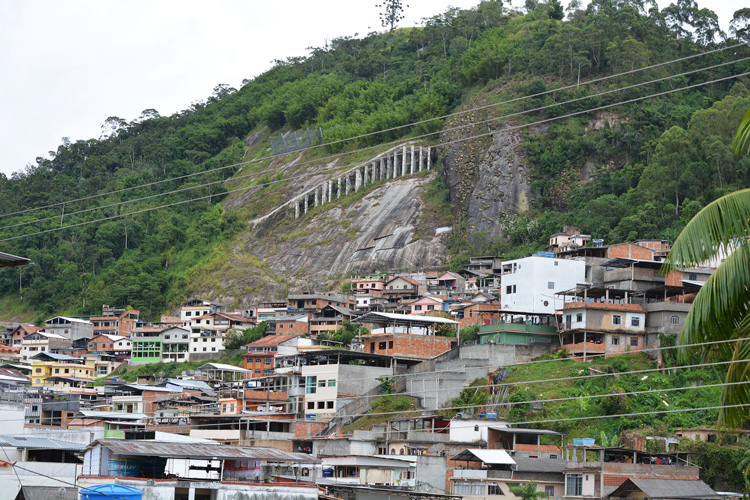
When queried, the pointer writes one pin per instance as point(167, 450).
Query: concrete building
point(207, 333)
point(175, 344)
point(72, 328)
point(530, 284)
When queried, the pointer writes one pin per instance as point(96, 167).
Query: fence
point(296, 140)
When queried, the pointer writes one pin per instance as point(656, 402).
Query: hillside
point(524, 157)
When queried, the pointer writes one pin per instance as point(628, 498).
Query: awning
point(491, 457)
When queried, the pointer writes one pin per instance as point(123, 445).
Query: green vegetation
point(384, 408)
point(345, 335)
point(130, 373)
point(637, 171)
point(235, 339)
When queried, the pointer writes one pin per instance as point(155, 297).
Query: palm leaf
point(721, 302)
point(741, 142)
point(713, 232)
point(737, 373)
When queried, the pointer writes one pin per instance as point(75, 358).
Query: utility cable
point(442, 131)
point(257, 160)
point(518, 127)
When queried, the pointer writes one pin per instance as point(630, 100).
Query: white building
point(529, 285)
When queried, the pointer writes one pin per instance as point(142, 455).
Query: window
point(634, 341)
point(635, 321)
point(417, 308)
point(467, 487)
point(332, 382)
point(321, 405)
point(509, 289)
point(257, 371)
point(494, 489)
point(312, 385)
point(329, 405)
point(692, 277)
point(550, 285)
point(205, 348)
point(258, 360)
point(550, 491)
point(579, 317)
point(390, 344)
point(557, 263)
point(213, 349)
point(674, 320)
point(616, 319)
point(310, 405)
point(372, 346)
point(615, 340)
point(267, 361)
point(321, 383)
point(381, 346)
point(430, 308)
point(514, 288)
point(574, 485)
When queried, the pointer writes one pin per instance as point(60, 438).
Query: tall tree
point(392, 12)
point(528, 491)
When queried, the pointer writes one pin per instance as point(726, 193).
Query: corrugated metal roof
point(113, 414)
point(39, 443)
point(201, 451)
point(666, 488)
point(8, 260)
point(223, 367)
point(525, 464)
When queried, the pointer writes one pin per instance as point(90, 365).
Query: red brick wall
point(299, 328)
point(252, 364)
point(630, 251)
point(415, 346)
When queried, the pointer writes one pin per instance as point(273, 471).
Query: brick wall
point(630, 251)
point(413, 346)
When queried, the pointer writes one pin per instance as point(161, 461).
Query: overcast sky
point(67, 66)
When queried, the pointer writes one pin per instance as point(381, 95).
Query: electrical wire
point(412, 124)
point(442, 131)
point(518, 127)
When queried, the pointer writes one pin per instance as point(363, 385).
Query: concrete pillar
point(315, 197)
point(382, 168)
point(330, 191)
point(296, 209)
point(346, 183)
point(403, 161)
point(429, 157)
point(420, 158)
point(306, 202)
point(396, 164)
point(338, 191)
point(390, 167)
point(357, 179)
point(411, 171)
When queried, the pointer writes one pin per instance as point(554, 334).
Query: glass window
point(634, 341)
point(550, 491)
point(615, 340)
point(579, 317)
point(332, 382)
point(312, 385)
point(635, 321)
point(674, 320)
point(550, 285)
point(494, 489)
point(574, 485)
point(616, 319)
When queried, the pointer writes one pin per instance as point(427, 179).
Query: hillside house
point(41, 341)
point(427, 304)
point(530, 284)
point(403, 287)
point(197, 307)
point(406, 336)
point(602, 321)
point(15, 336)
point(113, 345)
point(146, 345)
point(114, 321)
point(369, 284)
point(72, 328)
point(259, 359)
point(570, 238)
point(315, 301)
point(330, 319)
point(175, 344)
point(207, 332)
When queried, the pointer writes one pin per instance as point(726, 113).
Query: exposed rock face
point(371, 234)
point(486, 175)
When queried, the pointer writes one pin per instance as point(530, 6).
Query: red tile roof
point(270, 340)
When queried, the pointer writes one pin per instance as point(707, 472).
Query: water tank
point(107, 491)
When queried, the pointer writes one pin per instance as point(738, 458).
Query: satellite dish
point(61, 492)
point(546, 303)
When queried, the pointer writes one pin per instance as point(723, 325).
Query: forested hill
point(639, 170)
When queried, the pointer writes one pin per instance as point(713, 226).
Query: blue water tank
point(107, 491)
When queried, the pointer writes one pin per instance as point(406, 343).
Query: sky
point(65, 67)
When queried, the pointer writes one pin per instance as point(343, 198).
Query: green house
point(515, 333)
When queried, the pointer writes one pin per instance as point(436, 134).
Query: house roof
point(408, 280)
point(9, 349)
point(233, 317)
point(113, 414)
point(72, 320)
point(8, 260)
point(513, 430)
point(526, 464)
point(48, 335)
point(39, 443)
point(493, 457)
point(271, 340)
point(402, 319)
point(54, 356)
point(665, 488)
point(29, 328)
point(200, 451)
point(367, 461)
point(223, 367)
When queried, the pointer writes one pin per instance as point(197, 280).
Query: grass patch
point(393, 407)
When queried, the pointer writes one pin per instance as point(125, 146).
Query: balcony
point(481, 474)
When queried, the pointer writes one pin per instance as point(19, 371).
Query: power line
point(479, 108)
point(518, 127)
point(442, 131)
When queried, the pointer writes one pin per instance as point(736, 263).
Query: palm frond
point(721, 302)
point(714, 231)
point(741, 141)
point(738, 373)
